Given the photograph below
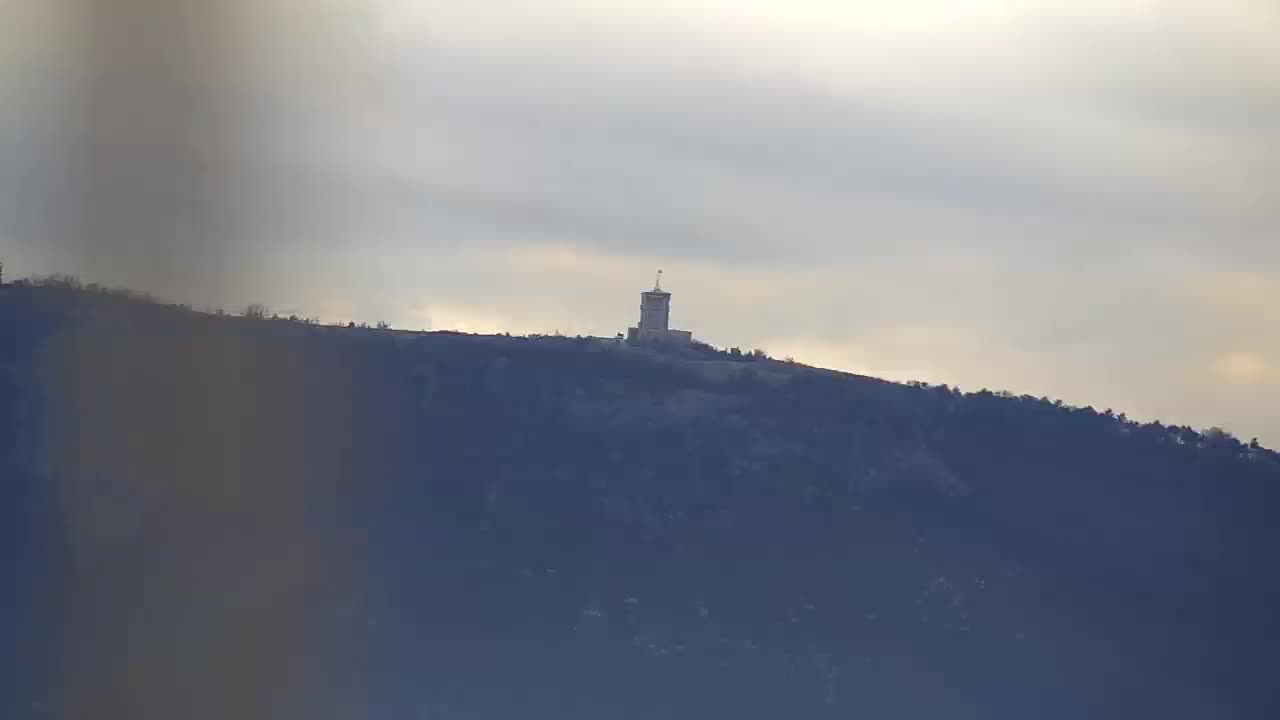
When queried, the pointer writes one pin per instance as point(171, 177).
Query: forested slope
point(221, 517)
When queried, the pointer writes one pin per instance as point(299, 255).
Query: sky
point(1077, 199)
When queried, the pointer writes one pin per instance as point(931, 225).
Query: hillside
point(217, 517)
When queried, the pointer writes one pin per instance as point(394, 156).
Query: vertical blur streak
point(131, 144)
point(152, 165)
point(194, 483)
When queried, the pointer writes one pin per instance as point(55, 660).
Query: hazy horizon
point(1064, 198)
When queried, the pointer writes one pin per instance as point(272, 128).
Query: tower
point(655, 307)
point(655, 318)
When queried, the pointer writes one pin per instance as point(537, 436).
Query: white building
point(655, 317)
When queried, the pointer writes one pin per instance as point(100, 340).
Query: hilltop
point(217, 515)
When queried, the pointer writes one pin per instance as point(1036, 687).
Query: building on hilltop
point(655, 317)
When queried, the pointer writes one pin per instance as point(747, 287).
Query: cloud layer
point(1074, 199)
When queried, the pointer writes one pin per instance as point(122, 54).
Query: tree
point(1216, 437)
point(61, 280)
point(256, 311)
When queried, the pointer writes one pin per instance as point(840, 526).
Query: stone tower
point(655, 318)
point(655, 307)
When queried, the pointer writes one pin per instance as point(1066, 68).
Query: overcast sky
point(1072, 198)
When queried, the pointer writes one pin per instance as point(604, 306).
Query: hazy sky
point(1072, 198)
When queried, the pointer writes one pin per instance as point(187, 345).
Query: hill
point(216, 516)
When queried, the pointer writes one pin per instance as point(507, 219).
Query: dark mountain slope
point(220, 517)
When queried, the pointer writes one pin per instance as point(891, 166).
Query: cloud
point(1064, 198)
point(1246, 368)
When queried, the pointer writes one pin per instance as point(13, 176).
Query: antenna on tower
point(657, 282)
